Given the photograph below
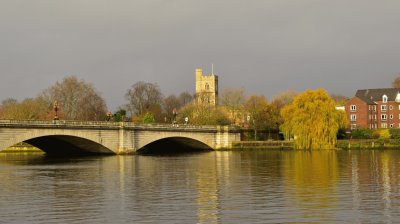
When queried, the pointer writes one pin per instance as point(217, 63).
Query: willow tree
point(312, 120)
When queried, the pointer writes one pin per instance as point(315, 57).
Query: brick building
point(374, 108)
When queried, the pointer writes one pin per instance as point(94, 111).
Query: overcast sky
point(263, 46)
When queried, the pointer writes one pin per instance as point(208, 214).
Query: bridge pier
point(222, 140)
point(126, 140)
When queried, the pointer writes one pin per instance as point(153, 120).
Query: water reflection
point(212, 187)
point(311, 180)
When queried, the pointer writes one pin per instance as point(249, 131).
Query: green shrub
point(148, 118)
point(362, 134)
point(395, 133)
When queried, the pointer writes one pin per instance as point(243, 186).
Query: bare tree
point(396, 82)
point(143, 97)
point(169, 104)
point(185, 98)
point(233, 100)
point(339, 99)
point(283, 98)
point(77, 99)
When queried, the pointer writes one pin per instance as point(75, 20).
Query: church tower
point(206, 88)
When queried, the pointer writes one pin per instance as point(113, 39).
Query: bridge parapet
point(57, 123)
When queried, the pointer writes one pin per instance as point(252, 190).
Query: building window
point(391, 107)
point(353, 117)
point(383, 107)
point(391, 116)
point(374, 107)
point(383, 125)
point(384, 99)
point(353, 108)
point(207, 86)
point(374, 116)
point(383, 117)
point(353, 126)
point(391, 125)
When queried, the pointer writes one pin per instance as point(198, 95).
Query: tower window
point(207, 86)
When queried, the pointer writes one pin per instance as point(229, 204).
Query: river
point(359, 186)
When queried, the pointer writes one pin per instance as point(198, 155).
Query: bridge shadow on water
point(174, 146)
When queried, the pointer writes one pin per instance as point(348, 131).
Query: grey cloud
point(262, 46)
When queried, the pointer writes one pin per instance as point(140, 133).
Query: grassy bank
point(368, 144)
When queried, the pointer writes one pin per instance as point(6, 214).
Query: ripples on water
point(212, 187)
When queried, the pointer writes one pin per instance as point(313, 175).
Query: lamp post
point(55, 107)
point(255, 130)
point(109, 115)
point(174, 114)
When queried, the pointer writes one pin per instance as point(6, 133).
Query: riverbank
point(342, 144)
point(21, 148)
point(368, 144)
point(249, 145)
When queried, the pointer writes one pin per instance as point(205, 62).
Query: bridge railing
point(57, 122)
point(105, 124)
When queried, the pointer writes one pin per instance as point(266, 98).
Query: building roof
point(371, 96)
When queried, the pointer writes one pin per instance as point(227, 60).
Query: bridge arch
point(60, 142)
point(173, 144)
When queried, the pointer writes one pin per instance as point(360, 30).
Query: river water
point(210, 187)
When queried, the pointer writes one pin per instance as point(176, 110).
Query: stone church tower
point(206, 88)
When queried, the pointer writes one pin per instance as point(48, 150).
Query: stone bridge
point(70, 137)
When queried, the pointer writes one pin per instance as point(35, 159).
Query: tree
point(312, 120)
point(7, 107)
point(77, 99)
point(233, 100)
point(144, 97)
point(185, 98)
point(202, 114)
point(263, 116)
point(283, 98)
point(169, 104)
point(119, 115)
point(148, 118)
point(28, 109)
point(340, 100)
point(396, 82)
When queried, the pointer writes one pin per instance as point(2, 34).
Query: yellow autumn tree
point(312, 120)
